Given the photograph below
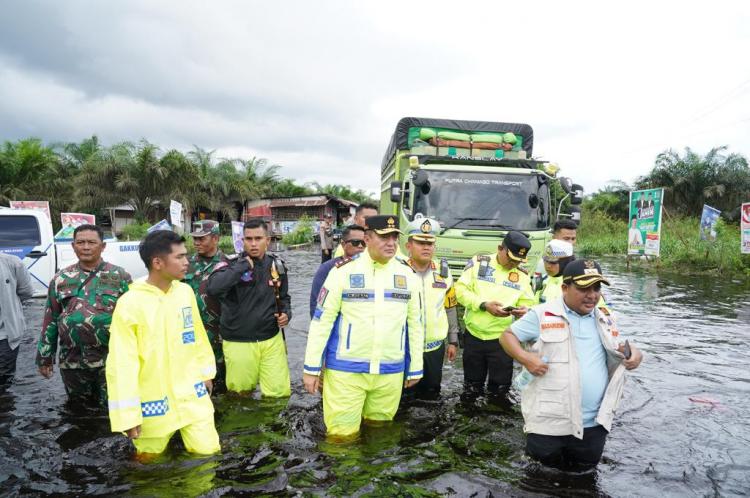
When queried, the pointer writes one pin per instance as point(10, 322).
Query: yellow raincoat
point(159, 358)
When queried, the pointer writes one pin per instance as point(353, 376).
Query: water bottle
point(524, 377)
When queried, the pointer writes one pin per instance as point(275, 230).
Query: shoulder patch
point(221, 265)
point(406, 264)
point(342, 262)
point(231, 257)
point(604, 310)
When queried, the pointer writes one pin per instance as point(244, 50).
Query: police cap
point(583, 273)
point(518, 245)
point(423, 229)
point(383, 224)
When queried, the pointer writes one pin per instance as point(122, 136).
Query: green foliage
point(343, 192)
point(302, 233)
point(681, 247)
point(718, 179)
point(90, 177)
point(612, 200)
point(599, 233)
point(134, 231)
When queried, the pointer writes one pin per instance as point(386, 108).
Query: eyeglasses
point(355, 242)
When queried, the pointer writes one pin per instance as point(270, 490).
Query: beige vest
point(551, 403)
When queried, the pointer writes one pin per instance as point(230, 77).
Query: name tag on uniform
point(358, 295)
point(511, 285)
point(188, 337)
point(396, 295)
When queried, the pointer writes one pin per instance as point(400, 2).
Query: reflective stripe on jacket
point(551, 403)
point(159, 358)
point(367, 320)
point(483, 280)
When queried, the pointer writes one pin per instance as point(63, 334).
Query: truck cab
point(28, 234)
point(477, 194)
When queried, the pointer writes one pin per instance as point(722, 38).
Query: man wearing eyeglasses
point(578, 360)
point(352, 242)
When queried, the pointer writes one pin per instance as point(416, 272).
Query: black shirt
point(247, 298)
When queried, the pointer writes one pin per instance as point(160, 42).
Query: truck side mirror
point(396, 192)
point(575, 214)
point(420, 178)
point(566, 184)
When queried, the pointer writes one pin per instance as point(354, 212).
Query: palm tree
point(135, 175)
point(692, 180)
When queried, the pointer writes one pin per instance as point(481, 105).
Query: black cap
point(518, 245)
point(383, 224)
point(583, 273)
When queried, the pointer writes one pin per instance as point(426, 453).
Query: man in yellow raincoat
point(160, 362)
point(367, 327)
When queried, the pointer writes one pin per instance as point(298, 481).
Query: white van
point(28, 234)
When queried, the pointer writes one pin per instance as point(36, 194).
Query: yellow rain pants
point(350, 397)
point(264, 361)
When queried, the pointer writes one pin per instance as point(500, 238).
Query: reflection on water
point(681, 430)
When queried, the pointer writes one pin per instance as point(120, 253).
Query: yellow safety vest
point(483, 280)
point(439, 294)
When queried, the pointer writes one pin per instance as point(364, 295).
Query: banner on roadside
point(644, 222)
point(237, 233)
point(162, 225)
point(175, 213)
point(745, 228)
point(35, 205)
point(709, 217)
point(71, 221)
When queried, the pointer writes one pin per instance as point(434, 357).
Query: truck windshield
point(485, 200)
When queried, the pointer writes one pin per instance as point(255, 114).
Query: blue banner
point(162, 225)
point(708, 223)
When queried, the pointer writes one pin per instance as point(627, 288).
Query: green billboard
point(644, 222)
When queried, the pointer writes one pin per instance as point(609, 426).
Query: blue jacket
point(317, 283)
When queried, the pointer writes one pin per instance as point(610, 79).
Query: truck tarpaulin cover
point(400, 137)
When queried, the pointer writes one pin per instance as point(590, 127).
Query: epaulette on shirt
point(521, 268)
point(406, 264)
point(342, 262)
point(279, 260)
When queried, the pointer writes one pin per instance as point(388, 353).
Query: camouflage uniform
point(79, 311)
point(197, 278)
point(210, 309)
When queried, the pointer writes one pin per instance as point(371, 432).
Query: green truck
point(478, 179)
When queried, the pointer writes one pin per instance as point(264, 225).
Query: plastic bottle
point(524, 377)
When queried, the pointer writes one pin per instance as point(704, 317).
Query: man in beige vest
point(578, 362)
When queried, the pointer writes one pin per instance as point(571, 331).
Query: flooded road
point(682, 429)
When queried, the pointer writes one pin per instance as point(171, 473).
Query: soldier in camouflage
point(80, 303)
point(207, 255)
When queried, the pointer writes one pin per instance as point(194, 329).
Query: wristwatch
point(483, 306)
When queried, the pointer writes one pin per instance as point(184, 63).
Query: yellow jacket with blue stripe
point(159, 357)
point(483, 280)
point(367, 320)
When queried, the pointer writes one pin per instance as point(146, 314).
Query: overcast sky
point(319, 86)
